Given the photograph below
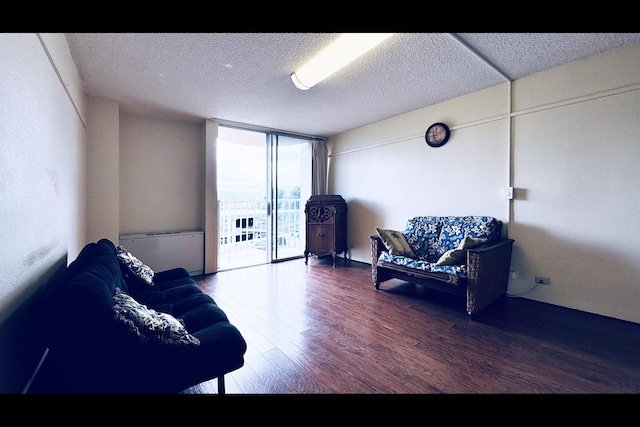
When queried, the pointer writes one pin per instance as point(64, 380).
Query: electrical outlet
point(513, 275)
point(542, 280)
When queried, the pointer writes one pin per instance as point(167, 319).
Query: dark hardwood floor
point(315, 329)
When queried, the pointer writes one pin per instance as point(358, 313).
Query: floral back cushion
point(456, 228)
point(422, 234)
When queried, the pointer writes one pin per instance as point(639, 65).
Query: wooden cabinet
point(326, 218)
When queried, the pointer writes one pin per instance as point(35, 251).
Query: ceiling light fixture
point(343, 50)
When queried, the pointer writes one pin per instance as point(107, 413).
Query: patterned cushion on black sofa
point(133, 266)
point(148, 324)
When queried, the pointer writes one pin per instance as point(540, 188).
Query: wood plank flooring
point(315, 329)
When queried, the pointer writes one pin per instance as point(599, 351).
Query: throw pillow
point(134, 265)
point(395, 242)
point(150, 325)
point(457, 256)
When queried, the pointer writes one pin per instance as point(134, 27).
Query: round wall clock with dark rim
point(437, 135)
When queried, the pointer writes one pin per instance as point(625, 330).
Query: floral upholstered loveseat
point(463, 255)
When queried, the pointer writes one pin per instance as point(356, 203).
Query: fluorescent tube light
point(343, 50)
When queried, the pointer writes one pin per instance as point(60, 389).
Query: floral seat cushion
point(454, 270)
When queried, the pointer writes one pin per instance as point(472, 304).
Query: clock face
point(437, 135)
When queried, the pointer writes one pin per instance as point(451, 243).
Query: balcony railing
point(243, 231)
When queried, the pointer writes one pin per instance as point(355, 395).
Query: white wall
point(42, 184)
point(161, 175)
point(574, 156)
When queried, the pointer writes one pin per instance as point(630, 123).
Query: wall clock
point(437, 135)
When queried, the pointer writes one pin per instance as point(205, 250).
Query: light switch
point(507, 193)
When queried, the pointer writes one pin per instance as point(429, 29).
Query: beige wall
point(42, 184)
point(103, 164)
point(388, 173)
point(576, 160)
point(161, 175)
point(573, 159)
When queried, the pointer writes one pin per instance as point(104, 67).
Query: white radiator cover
point(164, 251)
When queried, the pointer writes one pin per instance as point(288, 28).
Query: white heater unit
point(164, 251)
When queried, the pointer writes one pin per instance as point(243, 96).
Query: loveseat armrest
point(376, 248)
point(487, 274)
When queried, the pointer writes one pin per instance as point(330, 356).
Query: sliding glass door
point(263, 182)
point(291, 187)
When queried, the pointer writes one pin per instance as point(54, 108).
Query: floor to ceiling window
point(263, 182)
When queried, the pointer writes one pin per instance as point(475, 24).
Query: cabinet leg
point(335, 255)
point(306, 256)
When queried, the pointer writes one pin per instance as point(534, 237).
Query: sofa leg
point(221, 389)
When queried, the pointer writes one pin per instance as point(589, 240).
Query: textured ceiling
point(244, 77)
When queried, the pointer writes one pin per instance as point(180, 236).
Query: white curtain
point(319, 167)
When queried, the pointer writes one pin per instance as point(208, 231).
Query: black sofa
point(93, 349)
